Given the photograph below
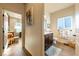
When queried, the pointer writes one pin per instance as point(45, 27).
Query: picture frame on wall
point(29, 16)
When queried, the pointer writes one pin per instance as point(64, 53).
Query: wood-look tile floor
point(14, 50)
point(66, 50)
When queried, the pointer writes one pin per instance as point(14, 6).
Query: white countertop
point(47, 32)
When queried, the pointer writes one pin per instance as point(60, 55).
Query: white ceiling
point(52, 7)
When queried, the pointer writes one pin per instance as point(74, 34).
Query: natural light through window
point(77, 22)
point(64, 22)
point(46, 24)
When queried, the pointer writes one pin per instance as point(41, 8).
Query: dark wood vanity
point(48, 40)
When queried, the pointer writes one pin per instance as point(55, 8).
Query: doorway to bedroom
point(12, 29)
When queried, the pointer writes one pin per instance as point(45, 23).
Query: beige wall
point(18, 8)
point(69, 11)
point(33, 39)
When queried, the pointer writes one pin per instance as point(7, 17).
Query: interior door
point(5, 30)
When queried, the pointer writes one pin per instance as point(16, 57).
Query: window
point(60, 23)
point(68, 22)
point(77, 22)
point(46, 23)
point(64, 22)
point(18, 25)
